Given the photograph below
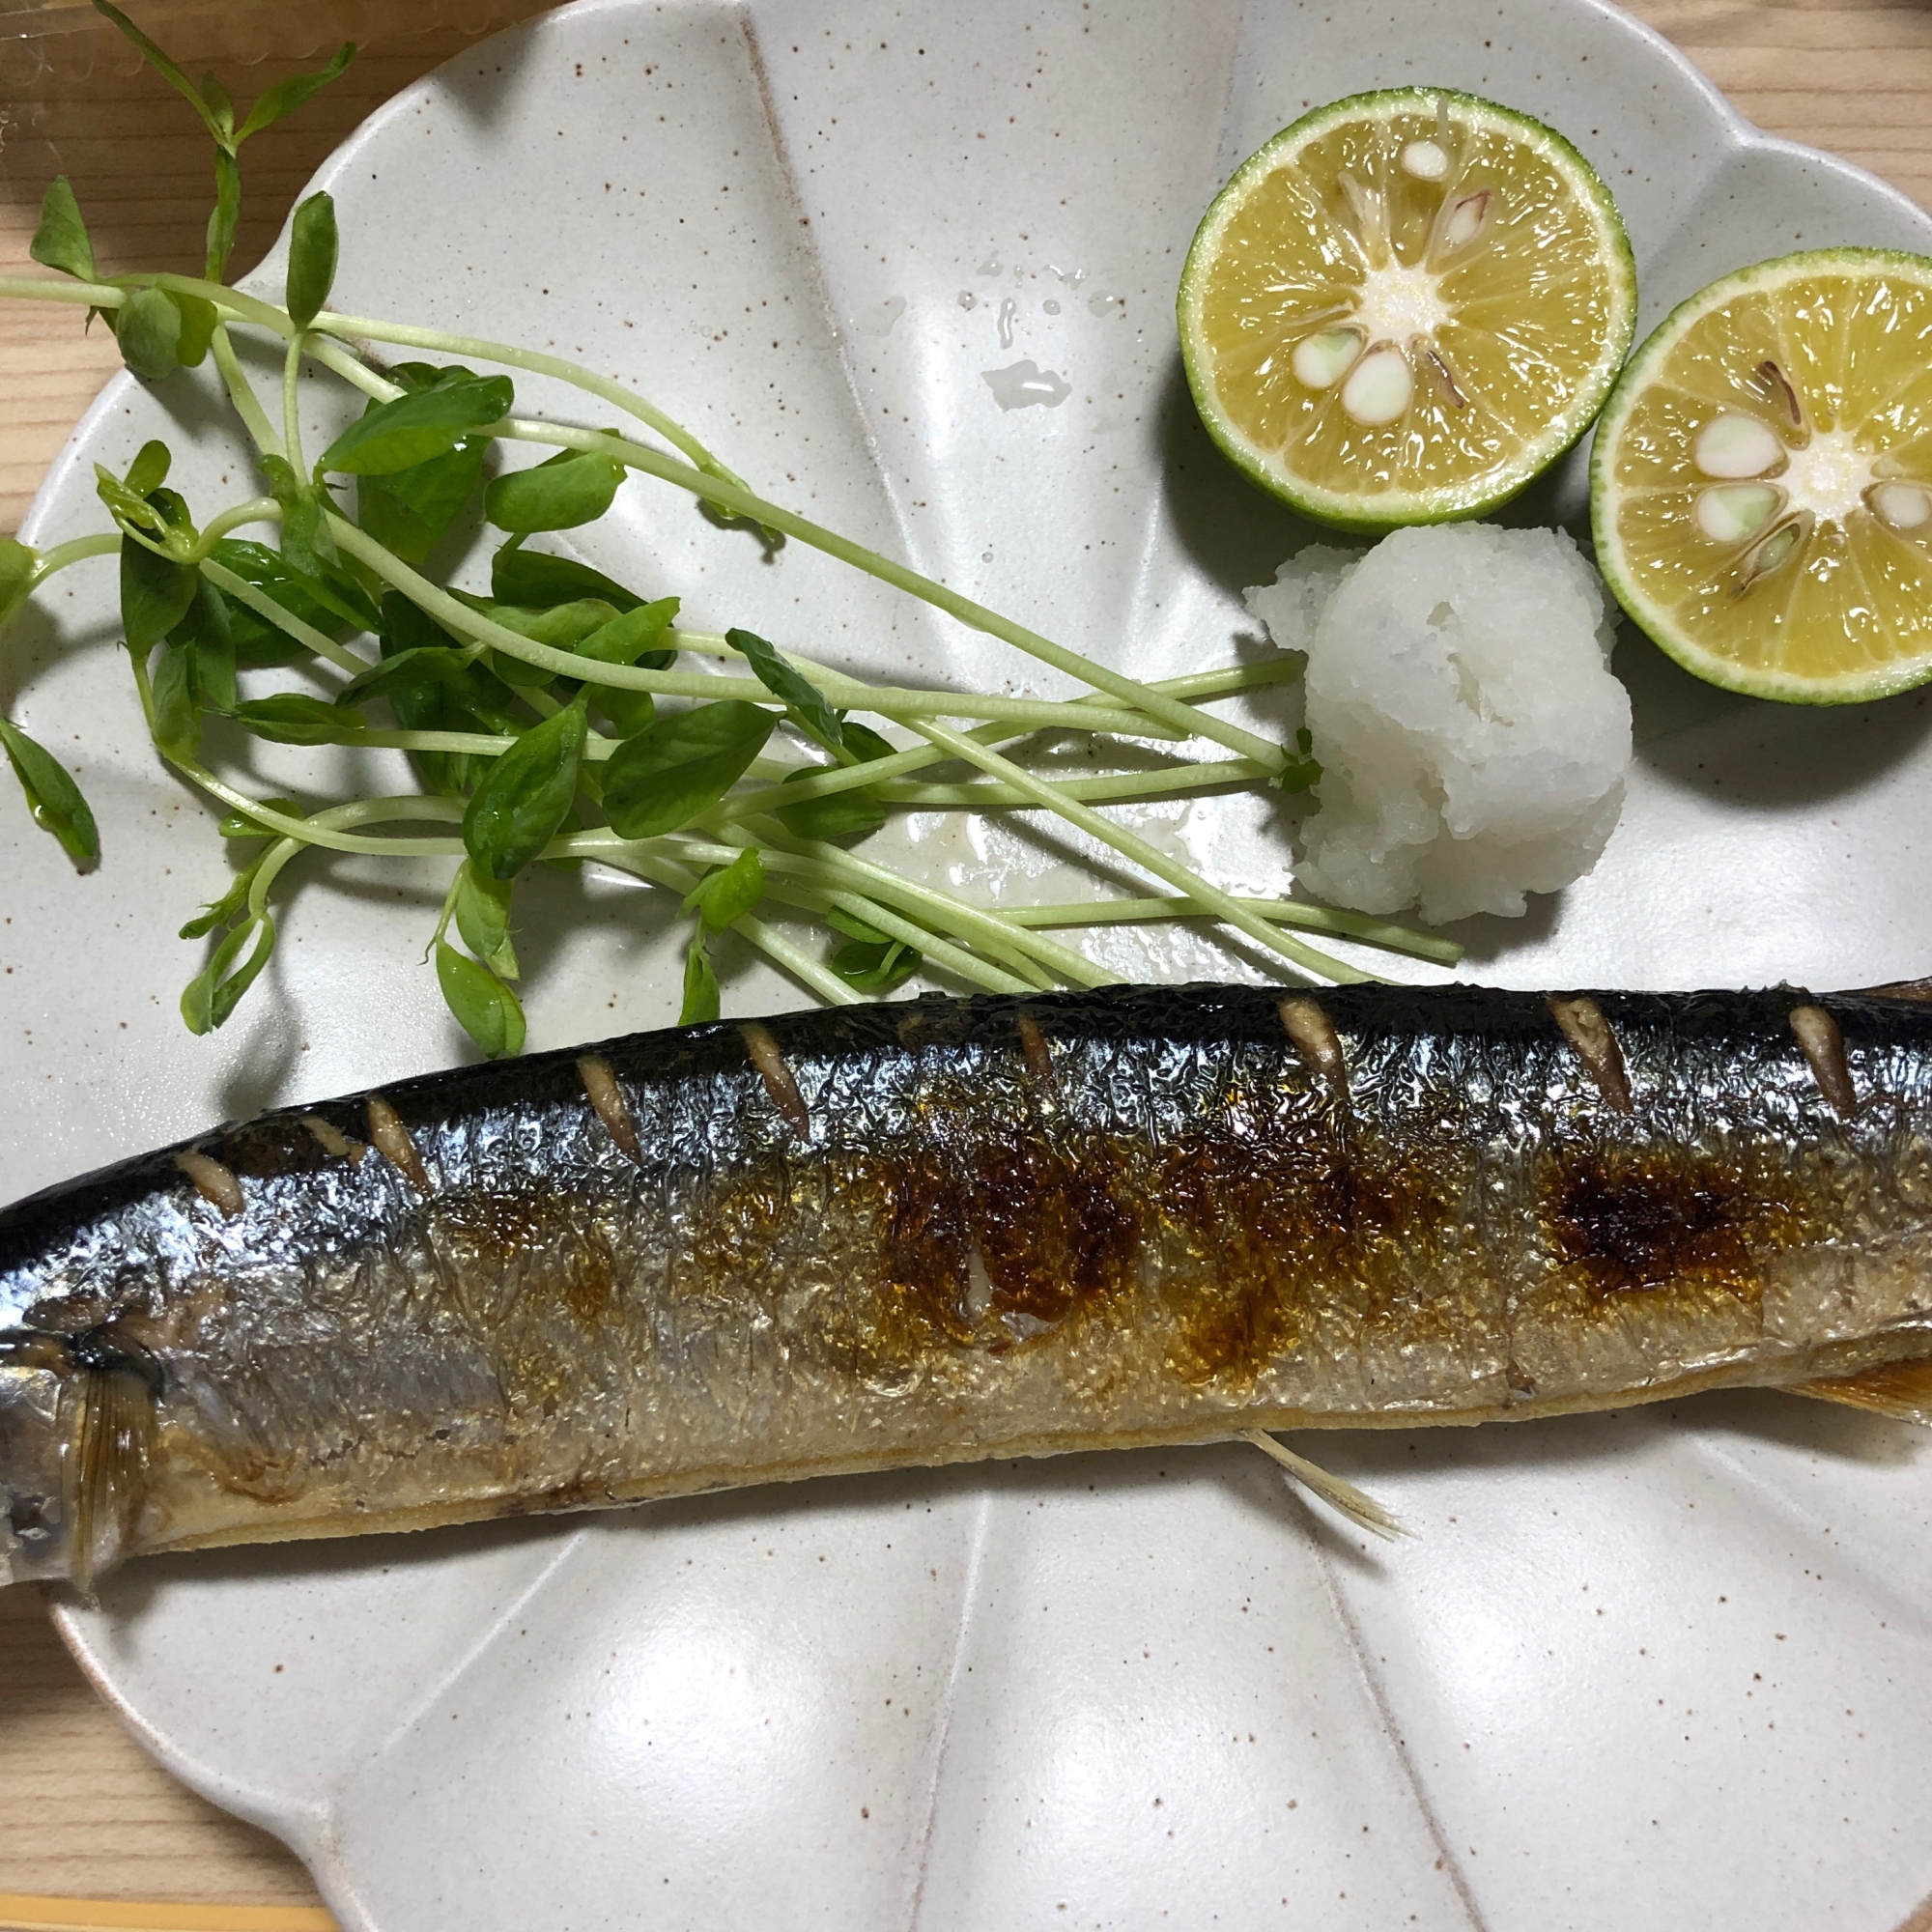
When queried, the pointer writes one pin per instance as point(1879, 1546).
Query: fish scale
point(942, 1230)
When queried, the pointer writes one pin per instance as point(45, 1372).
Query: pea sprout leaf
point(239, 825)
point(307, 543)
point(215, 992)
point(805, 703)
point(329, 608)
point(629, 712)
point(725, 896)
point(1300, 770)
point(224, 218)
point(148, 327)
point(571, 488)
point(204, 630)
point(177, 724)
point(215, 98)
point(626, 639)
point(423, 667)
point(198, 319)
point(17, 564)
point(408, 510)
point(413, 428)
point(485, 1008)
point(60, 241)
point(53, 798)
point(165, 68)
point(840, 814)
point(855, 927)
point(218, 912)
point(681, 765)
point(295, 718)
point(853, 814)
point(313, 245)
point(630, 637)
point(536, 581)
point(701, 1001)
point(524, 795)
point(285, 95)
point(563, 627)
point(156, 592)
point(482, 911)
point(876, 966)
point(863, 743)
point(149, 468)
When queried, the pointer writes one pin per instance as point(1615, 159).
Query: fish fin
point(109, 1417)
point(1901, 1389)
point(1899, 989)
point(1360, 1509)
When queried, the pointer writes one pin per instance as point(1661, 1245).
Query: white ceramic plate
point(1664, 1668)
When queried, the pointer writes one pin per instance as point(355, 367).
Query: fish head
point(76, 1420)
point(34, 1523)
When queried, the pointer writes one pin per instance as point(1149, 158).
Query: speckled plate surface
point(912, 267)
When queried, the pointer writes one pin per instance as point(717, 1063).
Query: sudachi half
point(1761, 487)
point(1404, 307)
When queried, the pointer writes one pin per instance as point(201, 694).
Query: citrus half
point(1761, 487)
point(1404, 307)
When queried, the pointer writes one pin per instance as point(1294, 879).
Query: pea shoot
point(562, 716)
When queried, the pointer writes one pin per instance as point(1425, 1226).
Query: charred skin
point(934, 1232)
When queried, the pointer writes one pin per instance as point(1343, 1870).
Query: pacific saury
point(943, 1230)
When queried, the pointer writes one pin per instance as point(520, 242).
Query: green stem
point(234, 303)
point(538, 364)
point(312, 832)
point(263, 605)
point(1164, 782)
point(1131, 845)
point(45, 288)
point(292, 437)
point(846, 871)
point(351, 367)
point(1284, 912)
point(938, 951)
point(886, 700)
point(241, 393)
point(659, 871)
point(740, 502)
point(76, 549)
point(336, 817)
point(258, 510)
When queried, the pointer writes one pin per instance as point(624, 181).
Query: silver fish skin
point(936, 1231)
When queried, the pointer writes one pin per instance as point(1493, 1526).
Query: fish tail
point(1899, 1389)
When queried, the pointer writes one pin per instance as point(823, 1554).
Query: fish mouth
point(76, 1426)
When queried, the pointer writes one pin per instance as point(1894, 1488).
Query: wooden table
point(86, 1812)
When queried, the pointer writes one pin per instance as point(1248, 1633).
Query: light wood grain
point(86, 1810)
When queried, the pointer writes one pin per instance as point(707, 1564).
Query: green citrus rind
point(1612, 558)
point(1372, 513)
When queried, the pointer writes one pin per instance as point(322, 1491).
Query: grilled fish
point(944, 1229)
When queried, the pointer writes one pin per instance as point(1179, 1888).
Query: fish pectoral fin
point(109, 1423)
point(1900, 1389)
point(1358, 1506)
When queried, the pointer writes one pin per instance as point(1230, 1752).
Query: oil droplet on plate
point(1009, 310)
point(967, 299)
point(1025, 386)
